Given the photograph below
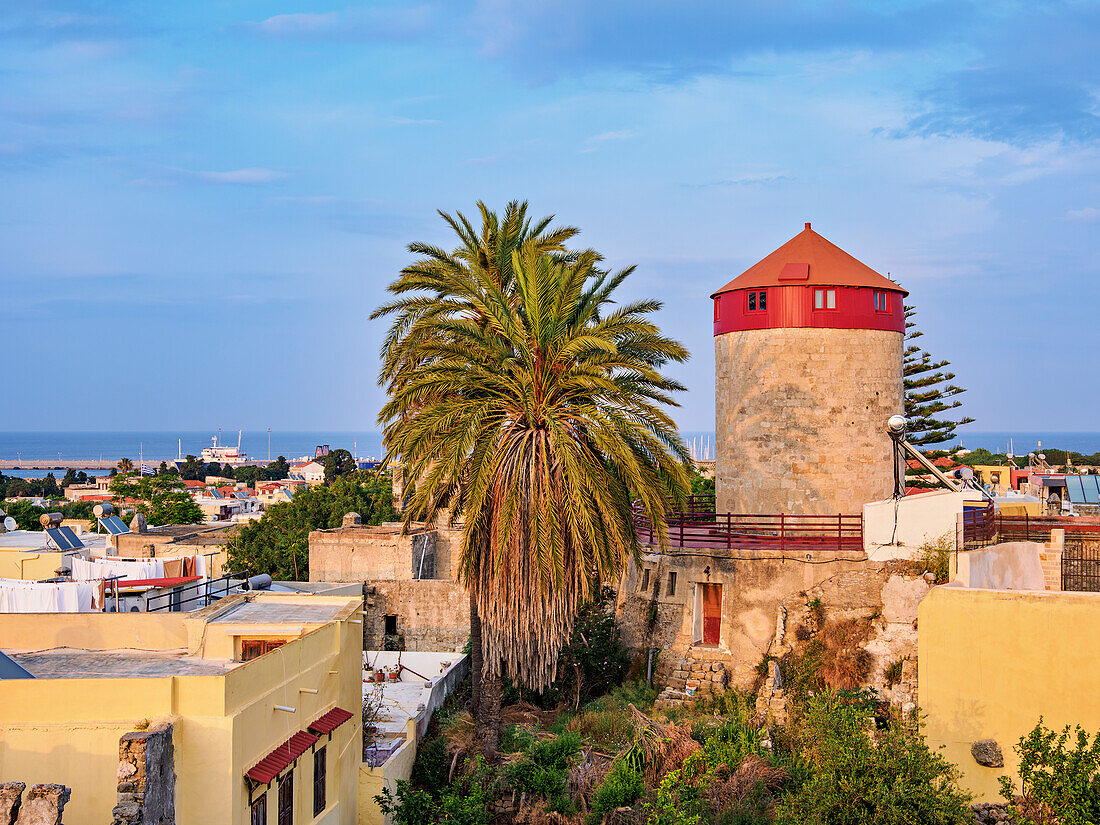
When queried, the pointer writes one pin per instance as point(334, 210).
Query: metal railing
point(699, 526)
point(1037, 528)
point(206, 592)
point(979, 526)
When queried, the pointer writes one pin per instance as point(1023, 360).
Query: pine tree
point(929, 392)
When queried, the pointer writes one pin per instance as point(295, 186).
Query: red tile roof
point(275, 762)
point(330, 721)
point(191, 482)
point(809, 259)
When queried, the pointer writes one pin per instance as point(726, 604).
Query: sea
point(160, 445)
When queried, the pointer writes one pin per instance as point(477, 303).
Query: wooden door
point(712, 613)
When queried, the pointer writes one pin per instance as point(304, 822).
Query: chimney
point(352, 520)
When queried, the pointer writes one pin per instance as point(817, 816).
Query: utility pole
point(269, 444)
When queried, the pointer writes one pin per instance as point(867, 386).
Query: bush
point(936, 557)
point(432, 766)
point(861, 779)
point(467, 801)
point(621, 787)
point(1058, 783)
point(543, 770)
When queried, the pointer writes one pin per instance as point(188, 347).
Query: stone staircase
point(705, 666)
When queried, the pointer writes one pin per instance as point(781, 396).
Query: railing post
point(681, 532)
point(729, 532)
point(782, 532)
point(839, 531)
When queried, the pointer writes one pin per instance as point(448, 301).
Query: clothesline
point(19, 596)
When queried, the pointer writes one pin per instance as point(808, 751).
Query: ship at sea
point(223, 454)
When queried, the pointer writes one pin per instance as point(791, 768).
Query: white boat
point(222, 454)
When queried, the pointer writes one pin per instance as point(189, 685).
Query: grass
point(936, 557)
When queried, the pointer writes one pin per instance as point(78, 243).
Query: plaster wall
point(373, 553)
point(23, 564)
point(431, 615)
point(1013, 565)
point(373, 780)
point(801, 418)
point(992, 662)
point(919, 518)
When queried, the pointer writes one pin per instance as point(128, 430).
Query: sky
point(201, 202)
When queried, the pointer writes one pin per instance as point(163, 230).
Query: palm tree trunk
point(475, 657)
point(488, 720)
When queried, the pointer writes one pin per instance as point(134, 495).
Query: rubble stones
point(11, 794)
point(988, 753)
point(990, 813)
point(44, 805)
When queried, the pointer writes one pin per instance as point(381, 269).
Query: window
point(882, 302)
point(758, 301)
point(318, 781)
point(671, 583)
point(286, 800)
point(254, 648)
point(718, 308)
point(390, 623)
point(259, 810)
point(824, 299)
point(645, 579)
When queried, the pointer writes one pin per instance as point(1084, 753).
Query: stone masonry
point(44, 804)
point(146, 778)
point(801, 419)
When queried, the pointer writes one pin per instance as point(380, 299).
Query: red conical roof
point(809, 259)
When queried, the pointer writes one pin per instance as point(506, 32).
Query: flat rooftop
point(35, 540)
point(264, 611)
point(69, 663)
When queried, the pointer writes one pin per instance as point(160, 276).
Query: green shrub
point(621, 787)
point(432, 766)
point(936, 557)
point(1057, 783)
point(543, 770)
point(861, 779)
point(466, 801)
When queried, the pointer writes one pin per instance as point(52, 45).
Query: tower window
point(824, 299)
point(672, 583)
point(758, 301)
point(882, 302)
point(390, 625)
point(645, 580)
point(718, 309)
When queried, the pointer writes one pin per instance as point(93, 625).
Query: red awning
point(330, 721)
point(163, 582)
point(275, 762)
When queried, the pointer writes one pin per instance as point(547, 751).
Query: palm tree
point(536, 415)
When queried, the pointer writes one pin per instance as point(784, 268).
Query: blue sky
point(203, 201)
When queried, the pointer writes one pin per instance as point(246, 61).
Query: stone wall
point(43, 805)
point(801, 419)
point(431, 615)
point(373, 553)
point(146, 778)
point(752, 587)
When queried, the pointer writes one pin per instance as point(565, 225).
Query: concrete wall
point(920, 518)
point(373, 780)
point(992, 662)
point(801, 419)
point(37, 565)
point(1013, 565)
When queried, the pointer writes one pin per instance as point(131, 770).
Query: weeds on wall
point(935, 555)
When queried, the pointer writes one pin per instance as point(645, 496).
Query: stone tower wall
point(801, 419)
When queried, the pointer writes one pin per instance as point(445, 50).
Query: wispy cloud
point(622, 134)
point(746, 180)
point(360, 216)
point(412, 121)
point(249, 176)
point(376, 24)
point(1087, 214)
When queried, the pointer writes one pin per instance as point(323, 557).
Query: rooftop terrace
point(69, 663)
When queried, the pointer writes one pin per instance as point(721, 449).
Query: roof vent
point(807, 226)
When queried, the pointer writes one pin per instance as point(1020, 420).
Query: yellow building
point(262, 693)
point(991, 662)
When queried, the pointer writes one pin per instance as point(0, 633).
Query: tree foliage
point(521, 398)
point(278, 543)
point(930, 394)
point(339, 463)
point(161, 499)
point(1059, 778)
point(26, 515)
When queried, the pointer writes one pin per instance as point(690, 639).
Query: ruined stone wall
point(43, 804)
point(431, 615)
point(370, 553)
point(146, 778)
point(752, 588)
point(801, 419)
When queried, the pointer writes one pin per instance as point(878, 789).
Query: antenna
point(9, 523)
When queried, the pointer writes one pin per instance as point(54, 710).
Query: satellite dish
point(897, 424)
point(10, 524)
point(1042, 456)
point(966, 473)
